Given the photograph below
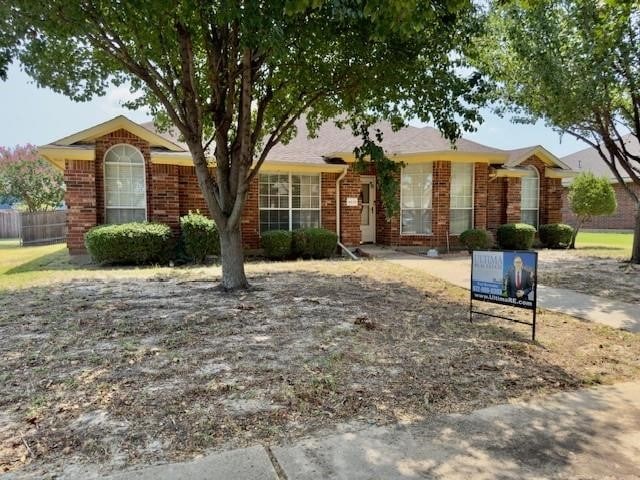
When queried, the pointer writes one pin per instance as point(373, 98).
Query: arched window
point(530, 197)
point(125, 189)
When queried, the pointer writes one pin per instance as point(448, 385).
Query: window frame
point(290, 209)
point(104, 181)
point(536, 175)
point(414, 234)
point(472, 209)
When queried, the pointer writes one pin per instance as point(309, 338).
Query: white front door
point(368, 212)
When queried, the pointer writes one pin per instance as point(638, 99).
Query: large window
point(530, 194)
point(461, 198)
point(289, 201)
point(124, 185)
point(415, 199)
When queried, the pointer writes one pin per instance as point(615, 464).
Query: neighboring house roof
point(589, 160)
point(329, 143)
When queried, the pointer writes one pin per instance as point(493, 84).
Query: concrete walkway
point(457, 270)
point(593, 433)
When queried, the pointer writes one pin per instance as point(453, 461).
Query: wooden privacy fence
point(9, 224)
point(42, 228)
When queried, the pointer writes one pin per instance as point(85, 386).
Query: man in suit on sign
point(519, 280)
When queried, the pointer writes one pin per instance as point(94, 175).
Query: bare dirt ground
point(99, 375)
point(605, 277)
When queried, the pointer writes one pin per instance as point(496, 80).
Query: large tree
point(576, 65)
point(233, 75)
point(29, 179)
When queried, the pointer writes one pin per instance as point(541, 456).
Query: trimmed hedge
point(555, 235)
point(314, 243)
point(199, 236)
point(516, 236)
point(476, 239)
point(277, 244)
point(130, 243)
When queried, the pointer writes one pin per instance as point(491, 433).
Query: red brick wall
point(622, 219)
point(328, 200)
point(80, 197)
point(350, 234)
point(165, 195)
point(189, 196)
point(512, 196)
point(251, 218)
point(191, 199)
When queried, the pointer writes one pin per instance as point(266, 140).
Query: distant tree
point(233, 76)
point(590, 196)
point(29, 179)
point(576, 65)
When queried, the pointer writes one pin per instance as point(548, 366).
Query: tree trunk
point(635, 250)
point(232, 255)
point(572, 244)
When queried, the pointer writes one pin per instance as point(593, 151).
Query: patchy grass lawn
point(22, 267)
point(598, 266)
point(113, 372)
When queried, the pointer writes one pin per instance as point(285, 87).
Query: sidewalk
point(593, 433)
point(457, 270)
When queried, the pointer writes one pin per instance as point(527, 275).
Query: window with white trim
point(530, 197)
point(415, 199)
point(124, 185)
point(461, 198)
point(289, 201)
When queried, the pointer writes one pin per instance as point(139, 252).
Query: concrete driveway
point(457, 271)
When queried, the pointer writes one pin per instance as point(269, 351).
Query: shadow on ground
point(115, 373)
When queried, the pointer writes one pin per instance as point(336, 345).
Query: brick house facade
point(171, 187)
point(589, 160)
point(622, 219)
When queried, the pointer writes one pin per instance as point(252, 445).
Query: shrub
point(199, 236)
point(129, 243)
point(516, 236)
point(277, 244)
point(476, 239)
point(555, 235)
point(314, 243)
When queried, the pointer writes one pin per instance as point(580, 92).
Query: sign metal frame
point(532, 323)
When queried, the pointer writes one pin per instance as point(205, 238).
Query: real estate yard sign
point(507, 278)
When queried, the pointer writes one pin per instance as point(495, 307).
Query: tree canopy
point(29, 179)
point(576, 65)
point(233, 76)
point(590, 196)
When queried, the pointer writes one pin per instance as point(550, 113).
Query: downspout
point(338, 180)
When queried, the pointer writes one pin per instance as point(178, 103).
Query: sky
point(38, 116)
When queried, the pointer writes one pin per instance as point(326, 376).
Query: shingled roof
point(589, 160)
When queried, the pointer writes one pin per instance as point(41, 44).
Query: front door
point(368, 212)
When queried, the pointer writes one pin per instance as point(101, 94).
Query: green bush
point(476, 239)
point(130, 243)
point(277, 244)
point(516, 236)
point(199, 236)
point(555, 235)
point(314, 243)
